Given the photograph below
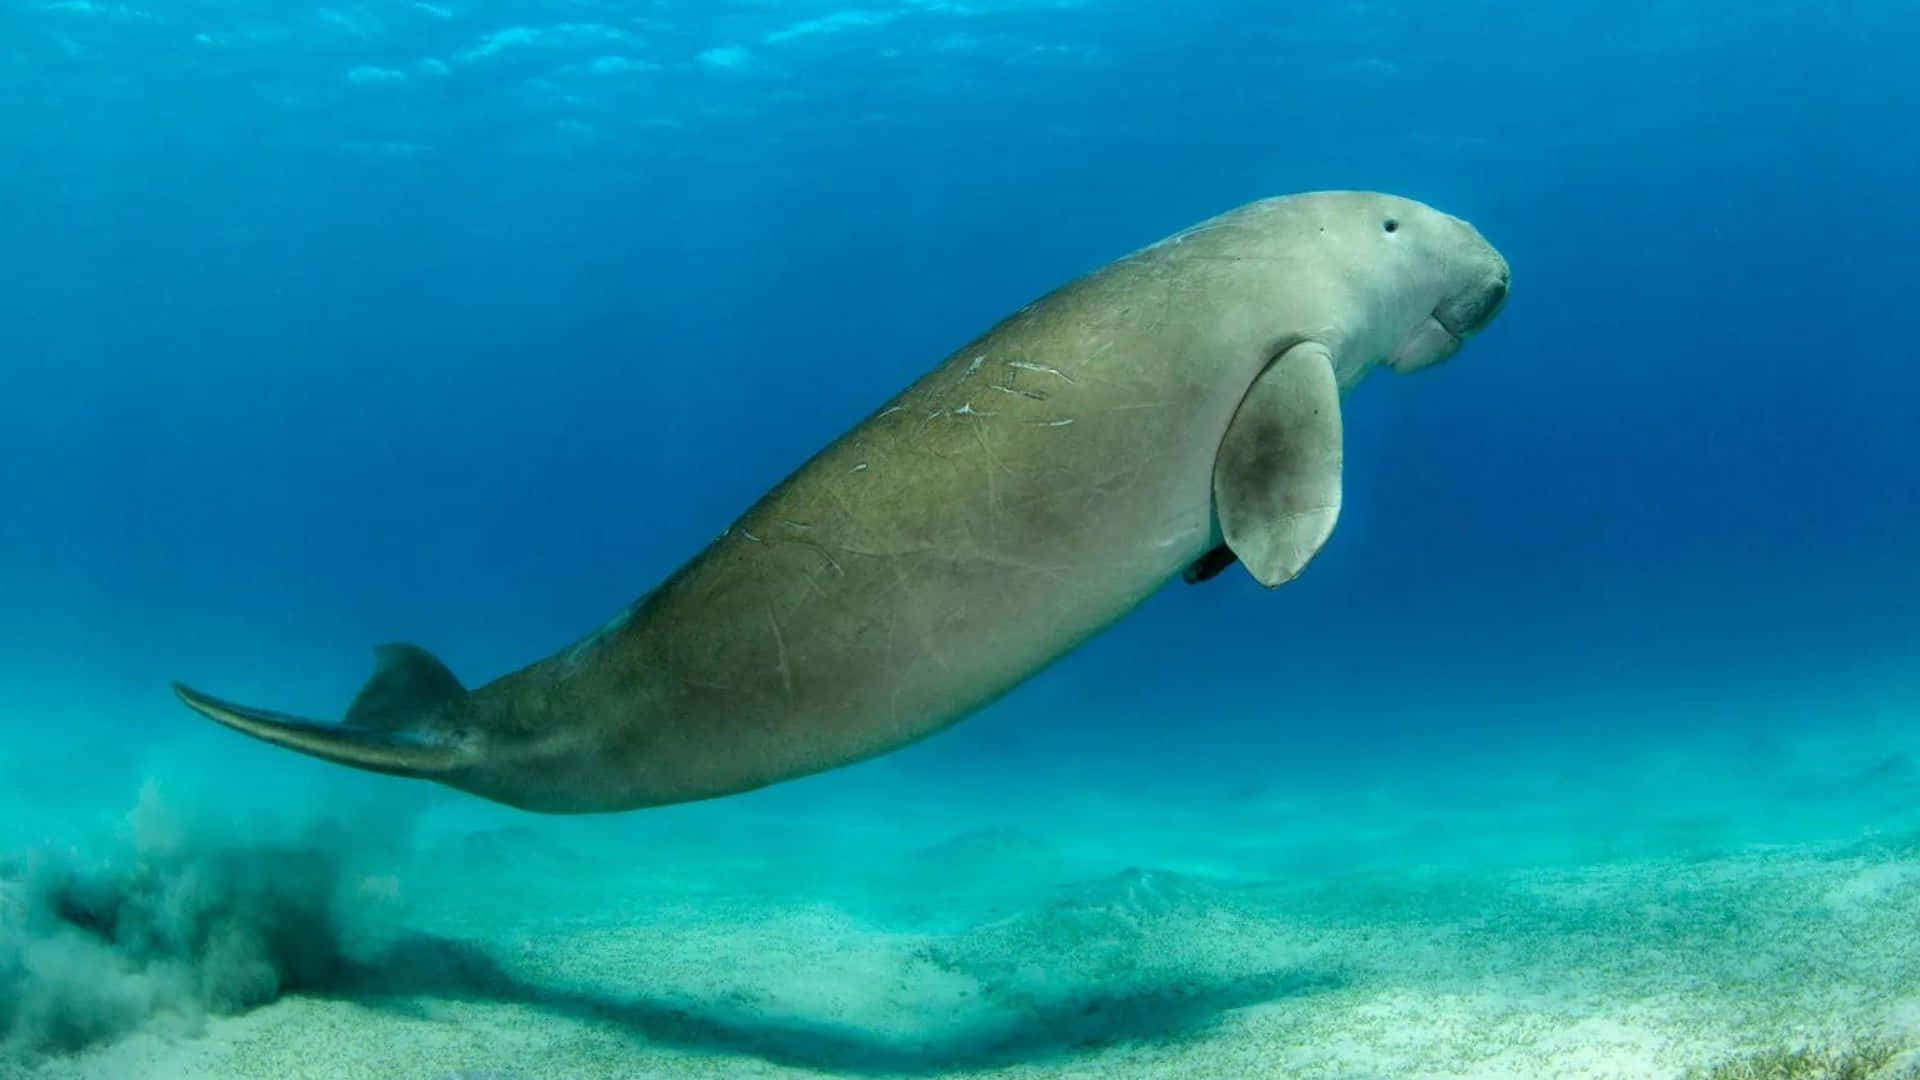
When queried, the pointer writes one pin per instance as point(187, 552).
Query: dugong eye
point(1391, 225)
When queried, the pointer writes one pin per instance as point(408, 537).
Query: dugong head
point(1471, 279)
point(1417, 282)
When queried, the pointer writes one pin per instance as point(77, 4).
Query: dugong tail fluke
point(394, 726)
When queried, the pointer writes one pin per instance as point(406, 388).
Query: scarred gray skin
point(1029, 491)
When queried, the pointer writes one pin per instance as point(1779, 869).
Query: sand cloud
point(167, 930)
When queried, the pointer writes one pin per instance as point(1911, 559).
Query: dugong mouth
point(1452, 321)
point(1469, 313)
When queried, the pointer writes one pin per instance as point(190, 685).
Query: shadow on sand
point(1066, 1022)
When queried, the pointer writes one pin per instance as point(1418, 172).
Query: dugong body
point(1172, 412)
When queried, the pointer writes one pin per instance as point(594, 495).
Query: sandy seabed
point(1662, 916)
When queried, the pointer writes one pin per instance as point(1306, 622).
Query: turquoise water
point(1586, 748)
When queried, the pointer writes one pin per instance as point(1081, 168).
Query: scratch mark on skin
point(812, 545)
point(1017, 392)
point(1236, 258)
point(995, 463)
point(1054, 423)
point(893, 692)
point(831, 562)
point(891, 553)
point(968, 410)
point(571, 661)
point(840, 498)
point(821, 550)
point(890, 410)
point(974, 364)
point(748, 535)
point(1042, 368)
point(1180, 237)
point(994, 467)
point(929, 648)
point(1065, 573)
point(780, 644)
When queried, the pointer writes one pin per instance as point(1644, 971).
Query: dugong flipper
point(1276, 477)
point(1168, 414)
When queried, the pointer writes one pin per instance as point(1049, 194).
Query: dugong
point(1173, 412)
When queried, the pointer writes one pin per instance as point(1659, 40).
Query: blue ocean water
point(463, 323)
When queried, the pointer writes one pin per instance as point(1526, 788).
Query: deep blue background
point(327, 326)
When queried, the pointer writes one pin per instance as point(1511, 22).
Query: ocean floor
point(1660, 912)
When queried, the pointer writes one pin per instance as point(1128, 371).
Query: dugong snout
point(1477, 280)
point(1469, 312)
point(1481, 290)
